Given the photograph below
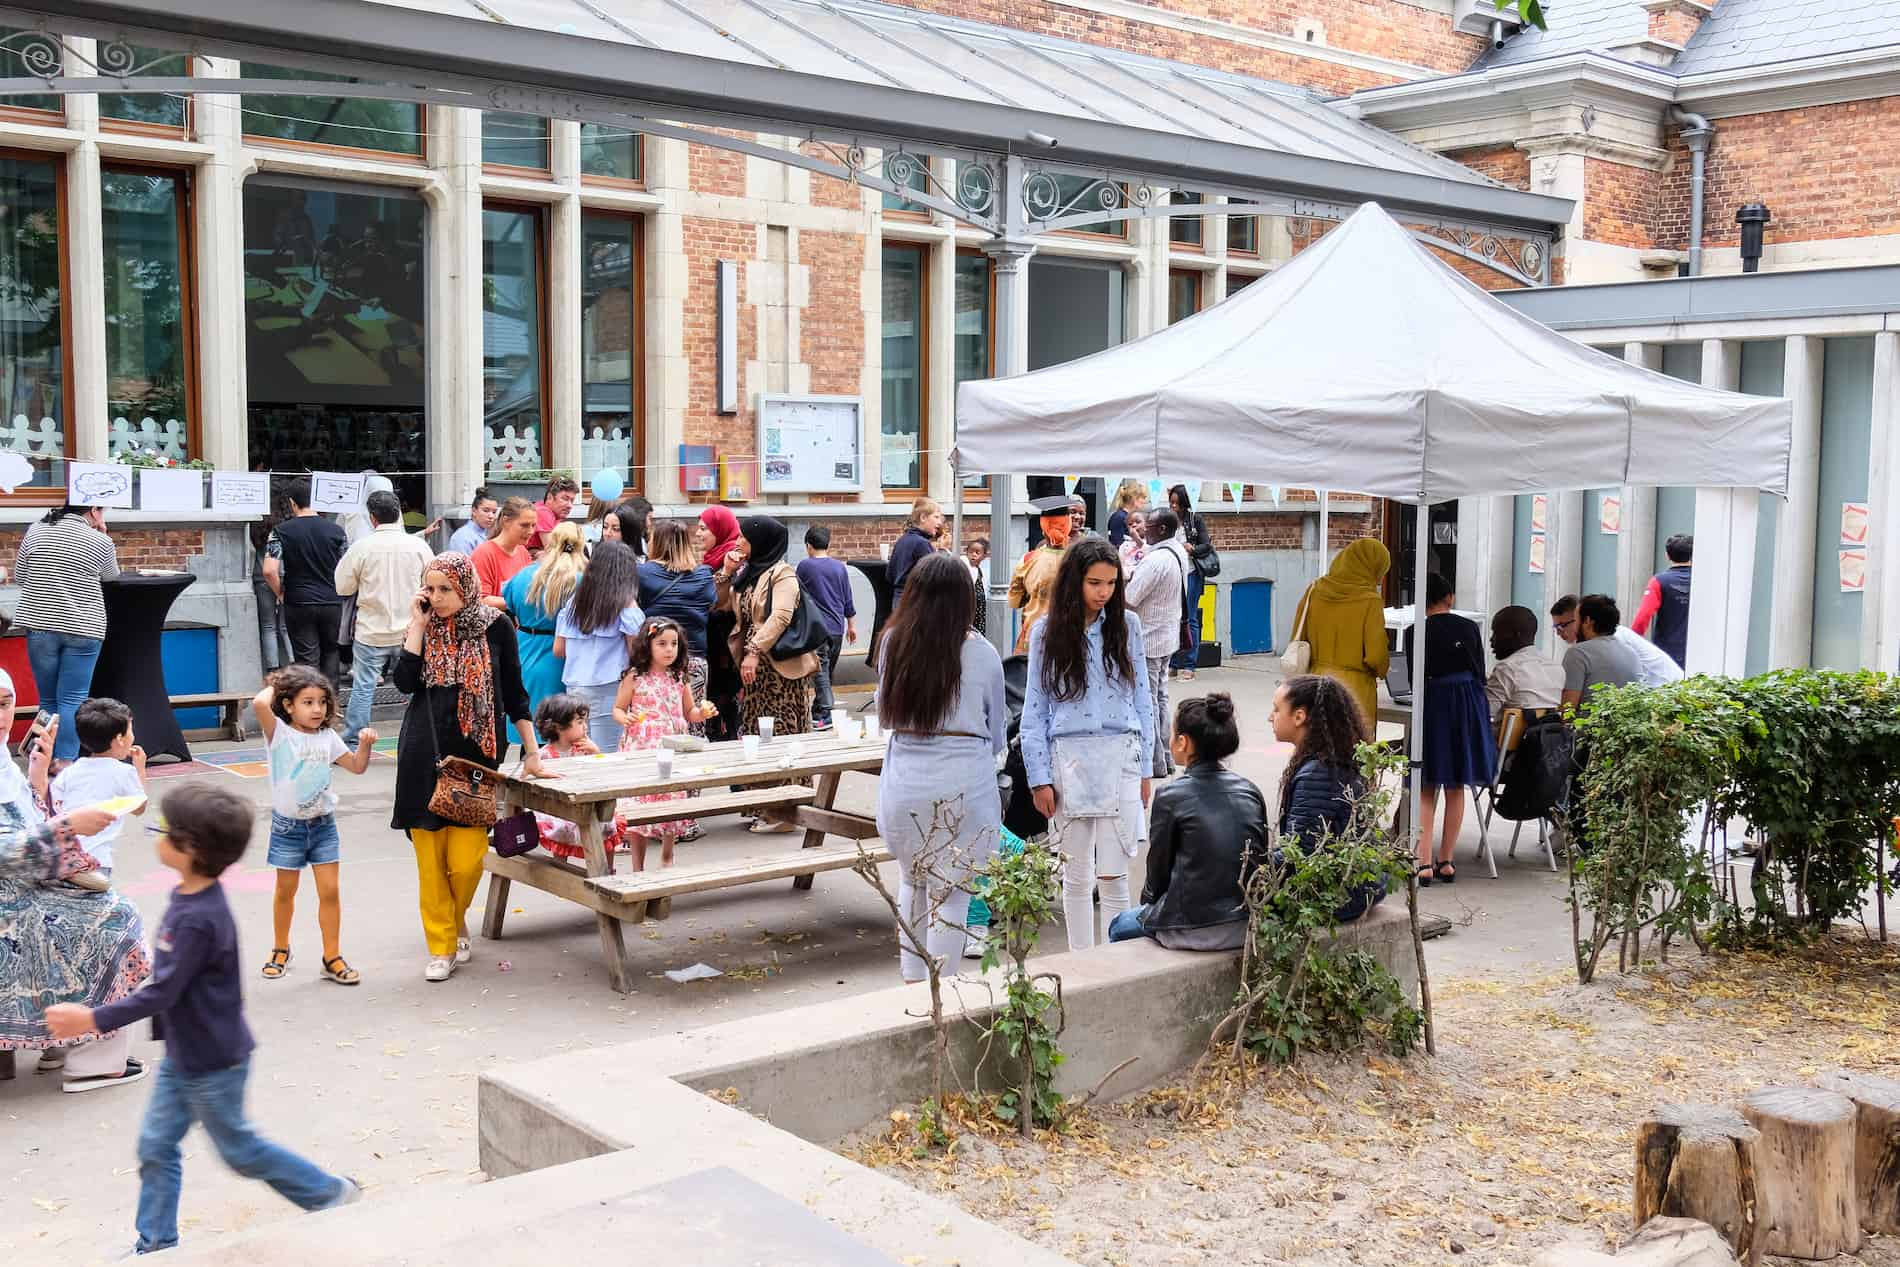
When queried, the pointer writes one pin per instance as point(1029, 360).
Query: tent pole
point(956, 510)
point(1417, 745)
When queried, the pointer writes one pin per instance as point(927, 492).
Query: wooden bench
point(231, 705)
point(649, 894)
point(739, 802)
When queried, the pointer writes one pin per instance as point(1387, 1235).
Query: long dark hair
point(610, 583)
point(923, 644)
point(1335, 726)
point(1181, 503)
point(633, 524)
point(1065, 644)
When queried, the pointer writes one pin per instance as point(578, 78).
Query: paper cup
point(870, 728)
point(839, 717)
point(749, 744)
point(664, 760)
point(766, 726)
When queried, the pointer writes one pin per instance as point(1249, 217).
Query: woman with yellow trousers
point(1342, 615)
point(459, 667)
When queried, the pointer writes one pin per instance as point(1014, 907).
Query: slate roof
point(1739, 33)
point(1576, 26)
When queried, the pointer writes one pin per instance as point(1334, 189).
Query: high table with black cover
point(878, 573)
point(129, 667)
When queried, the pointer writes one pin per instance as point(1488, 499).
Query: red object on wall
point(26, 695)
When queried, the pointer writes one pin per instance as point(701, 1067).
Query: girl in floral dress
point(655, 701)
point(561, 721)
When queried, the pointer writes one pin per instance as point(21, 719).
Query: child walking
point(561, 721)
point(655, 701)
point(195, 995)
point(111, 766)
point(296, 709)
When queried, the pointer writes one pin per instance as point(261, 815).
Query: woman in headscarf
point(60, 942)
point(1343, 616)
point(535, 596)
point(714, 536)
point(462, 673)
point(761, 588)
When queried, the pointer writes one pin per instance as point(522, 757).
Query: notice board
point(811, 444)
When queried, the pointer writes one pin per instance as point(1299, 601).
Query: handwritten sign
point(98, 484)
point(240, 492)
point(335, 492)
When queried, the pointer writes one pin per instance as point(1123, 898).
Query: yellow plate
point(120, 805)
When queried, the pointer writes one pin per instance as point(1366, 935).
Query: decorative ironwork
point(1045, 203)
point(42, 54)
point(970, 196)
point(1521, 259)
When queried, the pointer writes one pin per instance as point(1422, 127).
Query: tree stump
point(1805, 1171)
point(1876, 1145)
point(1697, 1161)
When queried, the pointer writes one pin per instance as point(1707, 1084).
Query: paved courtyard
point(378, 1081)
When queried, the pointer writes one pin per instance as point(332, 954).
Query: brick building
point(541, 293)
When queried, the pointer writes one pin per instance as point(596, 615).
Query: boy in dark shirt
point(198, 1009)
point(825, 581)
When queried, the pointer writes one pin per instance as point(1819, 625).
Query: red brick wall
point(1675, 24)
point(1825, 172)
point(1620, 203)
point(706, 243)
point(833, 326)
point(138, 547)
point(1505, 164)
point(717, 171)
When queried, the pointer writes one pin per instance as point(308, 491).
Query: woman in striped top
point(62, 560)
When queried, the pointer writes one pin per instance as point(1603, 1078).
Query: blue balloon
point(608, 484)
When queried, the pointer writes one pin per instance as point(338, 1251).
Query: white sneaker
point(463, 951)
point(438, 969)
point(974, 942)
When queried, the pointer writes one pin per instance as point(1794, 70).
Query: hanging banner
point(1193, 491)
point(1069, 483)
point(1274, 491)
point(1157, 493)
point(1238, 492)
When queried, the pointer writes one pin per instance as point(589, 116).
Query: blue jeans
point(1190, 655)
point(62, 670)
point(370, 664)
point(215, 1100)
point(1127, 925)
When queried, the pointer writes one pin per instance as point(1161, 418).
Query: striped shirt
point(58, 570)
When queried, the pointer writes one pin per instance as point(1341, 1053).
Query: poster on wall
point(1853, 523)
point(98, 484)
point(1540, 512)
point(336, 492)
point(240, 492)
point(1535, 555)
point(814, 444)
point(1853, 569)
point(1609, 514)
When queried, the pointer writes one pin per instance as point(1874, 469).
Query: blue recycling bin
point(1250, 616)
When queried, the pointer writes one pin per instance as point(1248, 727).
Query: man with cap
point(1034, 581)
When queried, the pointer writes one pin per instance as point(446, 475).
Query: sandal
point(279, 963)
point(337, 969)
point(1424, 876)
point(1445, 871)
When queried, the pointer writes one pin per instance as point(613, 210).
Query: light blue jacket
point(1105, 707)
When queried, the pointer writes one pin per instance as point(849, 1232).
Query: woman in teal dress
point(534, 597)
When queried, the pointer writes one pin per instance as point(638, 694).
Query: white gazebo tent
point(1367, 364)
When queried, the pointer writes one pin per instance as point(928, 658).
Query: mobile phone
point(44, 718)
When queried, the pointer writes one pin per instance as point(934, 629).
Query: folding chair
point(1512, 723)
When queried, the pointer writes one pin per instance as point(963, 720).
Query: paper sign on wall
point(172, 490)
point(336, 492)
point(1610, 514)
point(240, 492)
point(1540, 513)
point(1853, 569)
point(1535, 554)
point(1853, 523)
point(98, 484)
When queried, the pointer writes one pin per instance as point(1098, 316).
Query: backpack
point(1537, 784)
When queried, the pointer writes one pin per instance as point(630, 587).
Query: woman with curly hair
point(1087, 732)
point(1321, 719)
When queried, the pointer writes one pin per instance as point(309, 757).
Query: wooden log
point(1876, 1145)
point(1697, 1161)
point(1805, 1171)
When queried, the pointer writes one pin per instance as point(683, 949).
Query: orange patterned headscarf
point(455, 651)
point(1056, 527)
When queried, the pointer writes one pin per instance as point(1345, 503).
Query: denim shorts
point(296, 843)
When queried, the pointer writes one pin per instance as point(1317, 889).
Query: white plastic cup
point(870, 728)
point(750, 745)
point(663, 759)
point(849, 731)
point(839, 718)
point(766, 727)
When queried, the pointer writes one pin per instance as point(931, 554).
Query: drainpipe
point(1697, 134)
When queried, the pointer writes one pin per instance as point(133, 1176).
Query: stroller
point(1020, 815)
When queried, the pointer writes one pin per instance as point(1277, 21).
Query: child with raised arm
point(655, 701)
point(296, 708)
point(198, 1007)
point(111, 766)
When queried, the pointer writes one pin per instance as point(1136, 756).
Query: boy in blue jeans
point(197, 1007)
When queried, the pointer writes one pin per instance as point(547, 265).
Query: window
point(335, 339)
point(389, 127)
point(148, 312)
point(512, 390)
point(13, 66)
point(1237, 282)
point(902, 431)
point(1071, 187)
point(33, 337)
point(920, 181)
point(164, 111)
point(1184, 294)
point(975, 335)
point(609, 152)
point(1243, 235)
point(1075, 308)
point(1185, 230)
point(610, 345)
point(515, 140)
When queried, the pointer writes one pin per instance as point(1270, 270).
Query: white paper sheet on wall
point(98, 484)
point(335, 492)
point(240, 492)
point(174, 491)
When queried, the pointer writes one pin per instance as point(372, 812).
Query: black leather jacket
point(1199, 829)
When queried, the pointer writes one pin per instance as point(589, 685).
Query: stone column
point(1009, 261)
point(1791, 639)
point(563, 413)
point(458, 449)
point(218, 225)
point(1486, 531)
point(668, 370)
point(1722, 594)
point(1880, 622)
point(86, 274)
point(1636, 543)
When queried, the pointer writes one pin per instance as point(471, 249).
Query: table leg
point(827, 794)
point(613, 943)
point(497, 908)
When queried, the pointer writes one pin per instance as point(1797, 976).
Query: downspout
point(1697, 133)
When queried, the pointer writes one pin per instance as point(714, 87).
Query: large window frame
point(138, 127)
point(615, 182)
point(537, 214)
point(907, 492)
point(519, 169)
point(188, 315)
point(637, 224)
point(1199, 281)
point(1187, 233)
point(54, 494)
point(989, 335)
point(264, 140)
point(1247, 227)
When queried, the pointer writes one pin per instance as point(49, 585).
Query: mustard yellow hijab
point(1355, 573)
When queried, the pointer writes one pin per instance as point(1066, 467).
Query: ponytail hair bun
point(1210, 725)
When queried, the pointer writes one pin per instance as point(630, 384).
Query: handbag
point(517, 834)
point(1298, 656)
point(1206, 557)
point(465, 793)
point(1184, 632)
point(804, 634)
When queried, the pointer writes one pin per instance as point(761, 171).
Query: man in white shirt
point(384, 571)
point(1523, 676)
point(1654, 664)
